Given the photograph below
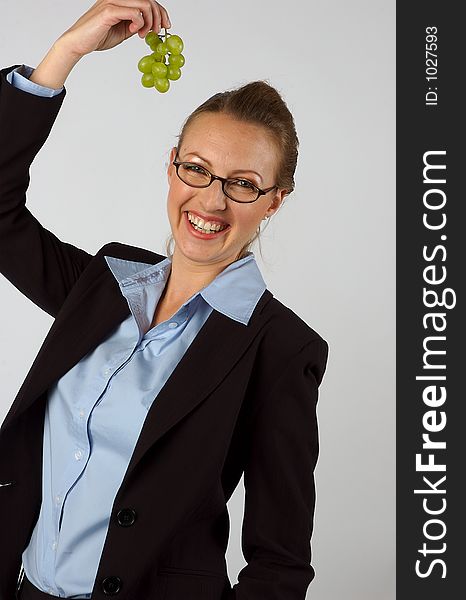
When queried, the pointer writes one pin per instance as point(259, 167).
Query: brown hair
point(261, 104)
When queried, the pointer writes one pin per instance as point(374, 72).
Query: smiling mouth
point(207, 228)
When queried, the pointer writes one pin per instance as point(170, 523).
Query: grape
point(161, 84)
point(147, 80)
point(173, 73)
point(176, 60)
point(175, 44)
point(156, 72)
point(161, 48)
point(145, 64)
point(152, 37)
point(153, 45)
point(159, 70)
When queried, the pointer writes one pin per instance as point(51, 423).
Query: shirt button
point(78, 454)
point(173, 324)
point(57, 499)
point(81, 413)
point(54, 545)
point(107, 371)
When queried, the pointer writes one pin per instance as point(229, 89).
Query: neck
point(188, 277)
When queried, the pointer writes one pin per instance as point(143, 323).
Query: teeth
point(204, 226)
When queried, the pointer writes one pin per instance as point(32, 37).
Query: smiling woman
point(164, 379)
point(233, 166)
point(253, 131)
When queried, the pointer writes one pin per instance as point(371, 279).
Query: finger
point(139, 22)
point(157, 24)
point(165, 18)
point(138, 6)
point(145, 6)
point(114, 14)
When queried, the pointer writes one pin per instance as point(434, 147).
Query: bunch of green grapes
point(165, 62)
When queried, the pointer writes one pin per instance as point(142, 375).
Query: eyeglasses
point(238, 190)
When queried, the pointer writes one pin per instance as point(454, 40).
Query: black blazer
point(254, 413)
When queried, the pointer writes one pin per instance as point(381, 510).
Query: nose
point(213, 197)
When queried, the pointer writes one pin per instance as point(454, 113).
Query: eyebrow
point(237, 170)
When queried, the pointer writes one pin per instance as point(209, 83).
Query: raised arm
point(32, 258)
point(39, 264)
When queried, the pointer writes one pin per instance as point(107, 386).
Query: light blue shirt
point(96, 410)
point(19, 78)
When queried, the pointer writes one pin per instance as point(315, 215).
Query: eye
point(243, 183)
point(194, 168)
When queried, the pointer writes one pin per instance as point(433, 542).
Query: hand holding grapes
point(109, 22)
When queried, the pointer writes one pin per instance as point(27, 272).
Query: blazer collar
point(93, 309)
point(242, 276)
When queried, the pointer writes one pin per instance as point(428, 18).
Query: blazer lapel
point(91, 314)
point(178, 396)
point(85, 320)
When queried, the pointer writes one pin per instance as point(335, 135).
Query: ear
point(171, 167)
point(278, 198)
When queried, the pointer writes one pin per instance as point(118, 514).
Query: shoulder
point(288, 327)
point(287, 338)
point(128, 252)
point(98, 264)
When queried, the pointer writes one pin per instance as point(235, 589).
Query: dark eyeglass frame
point(223, 180)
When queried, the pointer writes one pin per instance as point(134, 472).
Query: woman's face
point(228, 148)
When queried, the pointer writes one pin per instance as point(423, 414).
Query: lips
point(207, 218)
point(201, 234)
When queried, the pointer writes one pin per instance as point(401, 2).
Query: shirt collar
point(234, 292)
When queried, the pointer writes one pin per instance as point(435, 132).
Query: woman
point(162, 379)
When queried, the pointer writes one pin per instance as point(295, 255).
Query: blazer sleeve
point(279, 483)
point(39, 264)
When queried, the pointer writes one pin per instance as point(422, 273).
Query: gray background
point(329, 252)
